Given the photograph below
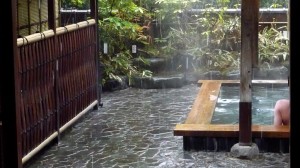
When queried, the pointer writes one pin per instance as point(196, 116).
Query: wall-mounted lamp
point(105, 48)
point(133, 49)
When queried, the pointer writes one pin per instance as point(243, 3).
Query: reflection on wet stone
point(134, 129)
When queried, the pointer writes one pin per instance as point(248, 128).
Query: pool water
point(263, 102)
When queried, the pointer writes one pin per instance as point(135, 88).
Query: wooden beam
point(51, 15)
point(230, 130)
point(10, 88)
point(294, 28)
point(204, 104)
point(94, 14)
point(94, 9)
point(249, 54)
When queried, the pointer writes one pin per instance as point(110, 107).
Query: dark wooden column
point(94, 9)
point(94, 14)
point(249, 36)
point(51, 15)
point(10, 87)
point(52, 26)
point(294, 28)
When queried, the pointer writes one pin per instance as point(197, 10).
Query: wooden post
point(294, 27)
point(94, 14)
point(51, 15)
point(52, 25)
point(94, 9)
point(249, 51)
point(10, 88)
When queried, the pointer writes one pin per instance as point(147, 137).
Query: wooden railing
point(58, 81)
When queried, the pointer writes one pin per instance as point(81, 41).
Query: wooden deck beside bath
point(199, 133)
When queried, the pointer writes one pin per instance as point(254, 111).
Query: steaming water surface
point(263, 102)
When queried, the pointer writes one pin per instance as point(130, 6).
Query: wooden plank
point(204, 105)
point(229, 130)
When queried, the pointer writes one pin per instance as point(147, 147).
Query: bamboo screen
point(32, 16)
point(58, 79)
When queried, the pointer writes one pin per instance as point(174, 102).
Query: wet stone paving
point(134, 129)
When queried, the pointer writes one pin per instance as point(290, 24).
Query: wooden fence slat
point(22, 110)
point(34, 92)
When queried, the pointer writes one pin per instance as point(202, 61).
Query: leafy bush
point(273, 47)
point(121, 26)
point(213, 38)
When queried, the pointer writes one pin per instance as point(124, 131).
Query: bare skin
point(282, 112)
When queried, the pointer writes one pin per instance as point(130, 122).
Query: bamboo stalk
point(49, 33)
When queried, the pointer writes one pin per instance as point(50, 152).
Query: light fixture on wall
point(133, 49)
point(105, 48)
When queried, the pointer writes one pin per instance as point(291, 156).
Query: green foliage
point(273, 47)
point(274, 3)
point(121, 26)
point(213, 37)
point(75, 4)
